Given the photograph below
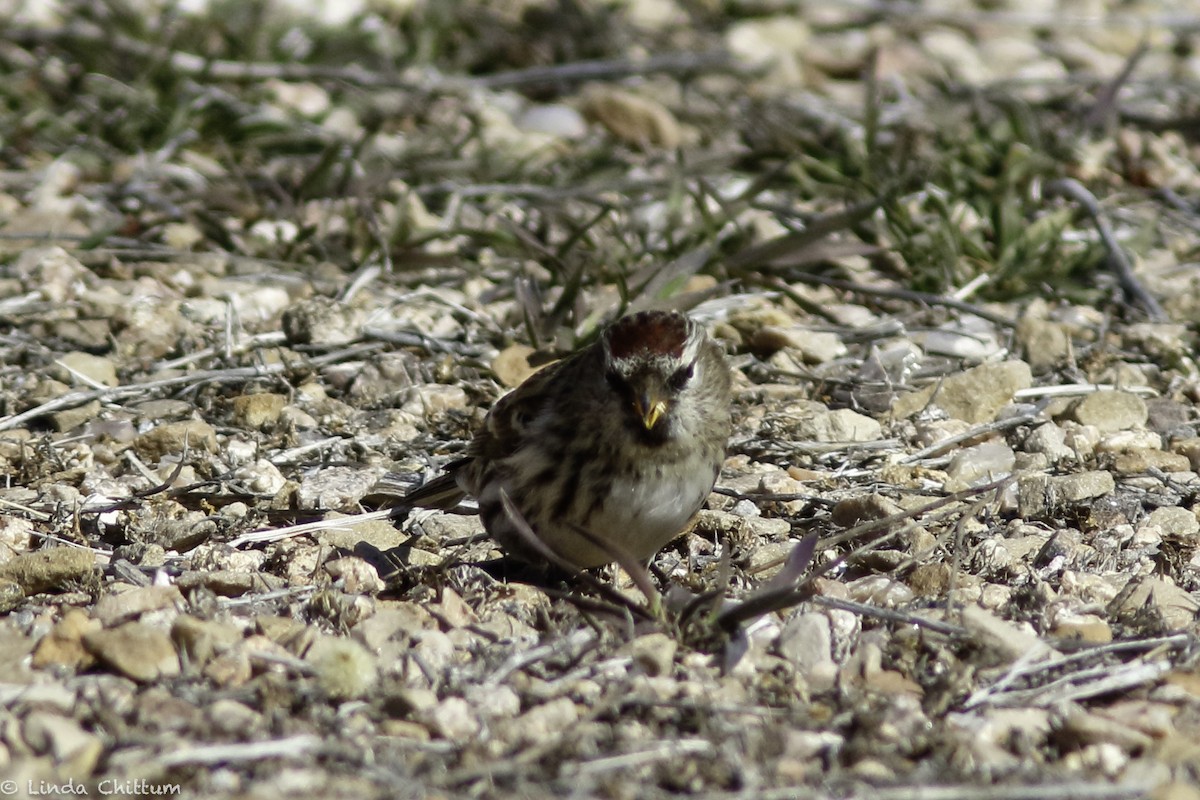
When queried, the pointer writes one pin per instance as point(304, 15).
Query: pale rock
point(1174, 522)
point(432, 399)
point(49, 569)
point(880, 590)
point(379, 533)
point(1124, 441)
point(199, 640)
point(975, 395)
point(258, 410)
point(1082, 439)
point(892, 363)
point(181, 236)
point(656, 15)
point(546, 720)
point(1178, 607)
point(553, 119)
point(63, 645)
point(93, 369)
point(493, 702)
point(994, 596)
point(1139, 460)
point(274, 231)
point(632, 118)
point(981, 464)
point(71, 748)
point(135, 650)
point(813, 347)
point(1044, 343)
point(260, 303)
point(112, 609)
point(653, 653)
point(52, 271)
point(972, 342)
point(807, 641)
point(931, 432)
point(356, 575)
point(1111, 411)
point(992, 556)
point(511, 365)
point(434, 648)
point(988, 734)
point(1037, 493)
point(233, 719)
point(344, 124)
point(453, 719)
point(842, 425)
point(71, 418)
point(306, 99)
point(261, 477)
point(1004, 638)
point(15, 536)
point(776, 43)
point(172, 437)
point(1164, 342)
point(322, 321)
point(1050, 440)
point(957, 55)
point(1085, 627)
point(336, 487)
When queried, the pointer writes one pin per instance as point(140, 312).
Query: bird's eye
point(615, 381)
point(680, 377)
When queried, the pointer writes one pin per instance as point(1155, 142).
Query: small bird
point(623, 439)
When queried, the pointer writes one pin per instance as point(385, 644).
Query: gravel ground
point(253, 258)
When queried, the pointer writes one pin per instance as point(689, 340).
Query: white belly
point(639, 518)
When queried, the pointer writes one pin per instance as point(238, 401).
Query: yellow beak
point(651, 409)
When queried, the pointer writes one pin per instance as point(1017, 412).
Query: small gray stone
point(653, 652)
point(1040, 493)
point(1050, 440)
point(453, 719)
point(200, 640)
point(322, 321)
point(807, 641)
point(1004, 638)
point(1111, 411)
point(64, 740)
point(974, 396)
point(94, 369)
point(1045, 343)
point(546, 720)
point(336, 488)
point(1173, 521)
point(53, 568)
point(135, 650)
point(345, 669)
point(258, 410)
point(124, 606)
point(553, 119)
point(1177, 606)
point(71, 418)
point(170, 438)
point(813, 347)
point(982, 463)
point(842, 425)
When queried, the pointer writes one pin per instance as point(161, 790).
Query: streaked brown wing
point(504, 427)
